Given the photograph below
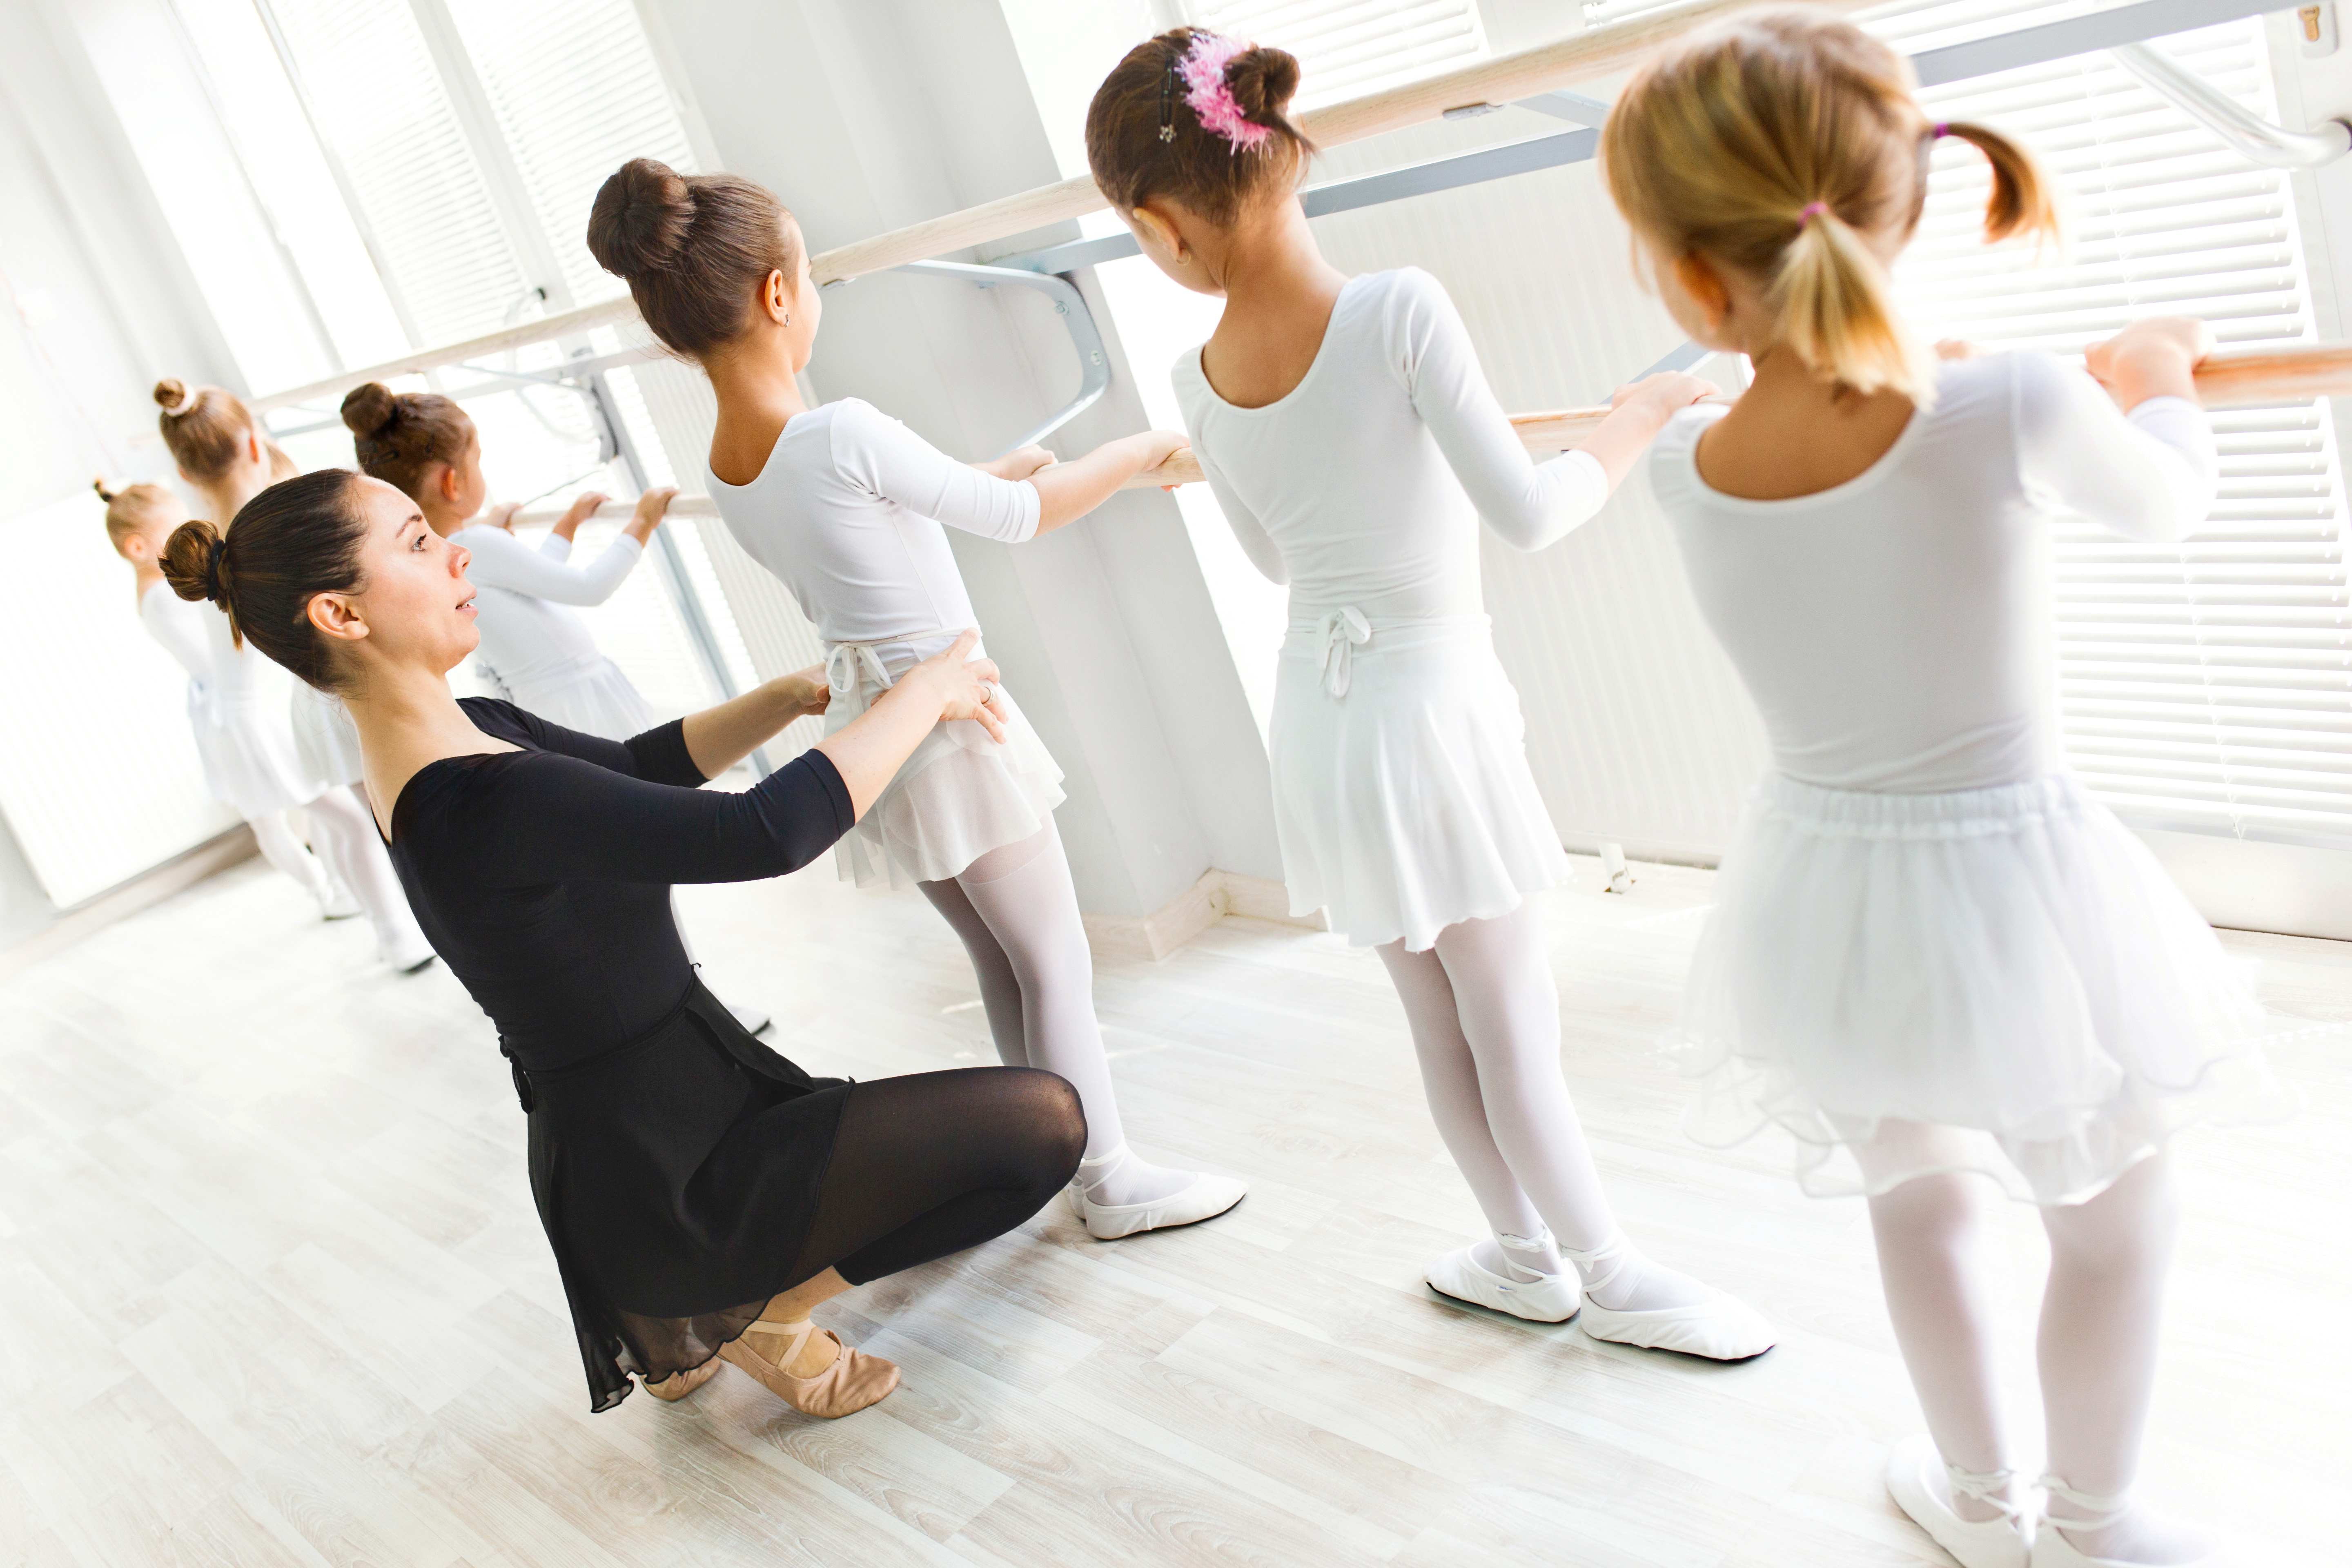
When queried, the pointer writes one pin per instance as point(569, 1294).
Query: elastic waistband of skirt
point(1955, 813)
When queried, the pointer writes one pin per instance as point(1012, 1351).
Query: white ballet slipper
point(1205, 1198)
point(1924, 1486)
point(1551, 1299)
point(2052, 1549)
point(336, 904)
point(1720, 1327)
point(407, 954)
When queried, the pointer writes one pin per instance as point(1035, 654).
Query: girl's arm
point(2146, 473)
point(502, 560)
point(1529, 505)
point(896, 464)
point(1248, 531)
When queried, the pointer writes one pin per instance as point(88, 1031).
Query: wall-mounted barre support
point(1085, 337)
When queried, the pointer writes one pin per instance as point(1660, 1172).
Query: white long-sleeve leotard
point(1363, 485)
point(529, 631)
point(847, 514)
point(1896, 630)
point(180, 625)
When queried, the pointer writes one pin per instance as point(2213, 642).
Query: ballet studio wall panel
point(100, 779)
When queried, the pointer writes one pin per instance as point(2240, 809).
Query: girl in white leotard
point(226, 456)
point(535, 644)
point(1932, 956)
point(845, 505)
point(1349, 436)
point(250, 765)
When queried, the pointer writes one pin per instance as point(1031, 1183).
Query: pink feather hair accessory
point(1213, 102)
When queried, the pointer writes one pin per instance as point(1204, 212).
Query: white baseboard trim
point(1216, 895)
point(141, 892)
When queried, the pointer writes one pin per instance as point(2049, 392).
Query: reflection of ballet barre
point(2233, 379)
point(1581, 58)
point(2236, 378)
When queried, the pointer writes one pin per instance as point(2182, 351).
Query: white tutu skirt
point(1402, 802)
point(590, 695)
point(1999, 980)
point(325, 739)
point(247, 750)
point(959, 795)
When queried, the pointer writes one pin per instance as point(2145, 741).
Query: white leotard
point(523, 613)
point(1365, 483)
point(847, 514)
point(178, 625)
point(1896, 629)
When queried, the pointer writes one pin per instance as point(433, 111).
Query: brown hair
point(204, 429)
point(300, 538)
point(1779, 143)
point(133, 508)
point(399, 436)
point(695, 249)
point(1143, 139)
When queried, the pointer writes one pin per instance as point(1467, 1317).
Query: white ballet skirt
point(959, 796)
point(1403, 799)
point(325, 738)
point(1998, 980)
point(587, 693)
point(236, 708)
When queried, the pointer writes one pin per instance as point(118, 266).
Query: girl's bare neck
point(1794, 434)
point(1279, 295)
point(758, 395)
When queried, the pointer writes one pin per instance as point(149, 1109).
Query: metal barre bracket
point(1094, 363)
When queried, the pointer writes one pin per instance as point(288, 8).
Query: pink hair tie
point(1941, 130)
point(1211, 101)
point(1812, 210)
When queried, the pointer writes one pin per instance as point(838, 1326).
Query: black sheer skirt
point(693, 1174)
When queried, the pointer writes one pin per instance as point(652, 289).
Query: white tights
point(1017, 913)
point(2096, 1351)
point(283, 847)
point(345, 831)
point(1486, 1024)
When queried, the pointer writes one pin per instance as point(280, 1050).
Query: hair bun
point(1263, 81)
point(639, 221)
point(369, 408)
point(172, 396)
point(191, 562)
point(106, 489)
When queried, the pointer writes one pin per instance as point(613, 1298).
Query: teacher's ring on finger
point(989, 693)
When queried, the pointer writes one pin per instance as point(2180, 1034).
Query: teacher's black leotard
point(686, 1172)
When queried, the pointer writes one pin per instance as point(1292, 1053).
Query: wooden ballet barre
point(1581, 58)
point(2238, 379)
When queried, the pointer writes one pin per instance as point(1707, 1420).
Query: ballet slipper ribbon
point(1339, 634)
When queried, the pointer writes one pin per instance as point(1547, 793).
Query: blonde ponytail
point(1832, 302)
point(1787, 146)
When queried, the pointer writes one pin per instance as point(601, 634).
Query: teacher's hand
point(965, 686)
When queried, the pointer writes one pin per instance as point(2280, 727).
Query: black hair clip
point(1168, 104)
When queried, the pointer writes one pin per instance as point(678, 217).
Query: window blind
point(368, 77)
point(2205, 687)
point(1350, 48)
point(575, 92)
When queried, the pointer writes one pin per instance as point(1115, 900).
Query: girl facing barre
point(1932, 956)
point(1349, 436)
point(845, 506)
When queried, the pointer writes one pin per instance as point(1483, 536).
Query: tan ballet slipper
point(678, 1384)
point(852, 1382)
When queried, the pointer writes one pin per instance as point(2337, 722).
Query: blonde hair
point(1780, 143)
point(133, 508)
point(204, 426)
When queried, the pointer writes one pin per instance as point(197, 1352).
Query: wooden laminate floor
point(272, 1291)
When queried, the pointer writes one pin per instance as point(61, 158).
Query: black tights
point(933, 1163)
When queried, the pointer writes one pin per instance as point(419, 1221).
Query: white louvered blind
point(368, 78)
point(576, 94)
point(2205, 687)
point(1350, 48)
